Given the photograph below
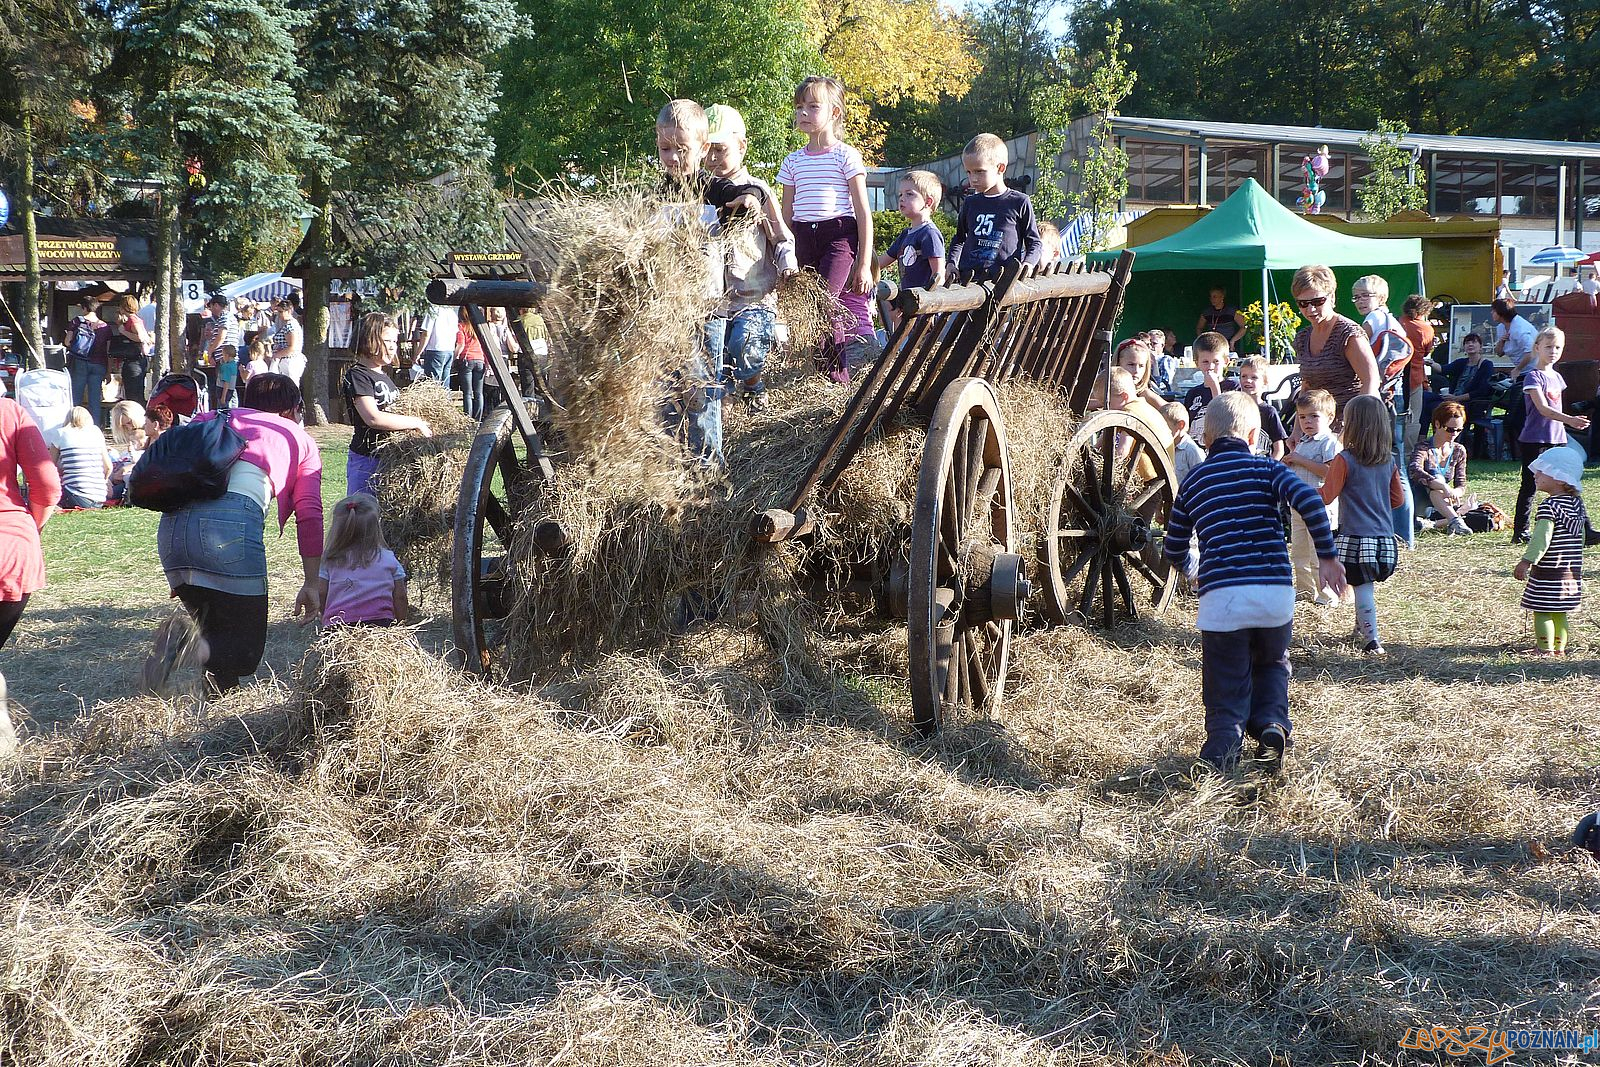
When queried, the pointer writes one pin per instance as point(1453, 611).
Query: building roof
point(1509, 147)
point(354, 235)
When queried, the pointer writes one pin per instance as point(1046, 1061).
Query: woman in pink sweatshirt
point(213, 551)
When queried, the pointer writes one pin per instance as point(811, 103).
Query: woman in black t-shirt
point(369, 393)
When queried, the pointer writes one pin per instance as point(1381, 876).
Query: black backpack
point(186, 464)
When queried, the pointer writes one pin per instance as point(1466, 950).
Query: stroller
point(46, 395)
point(184, 394)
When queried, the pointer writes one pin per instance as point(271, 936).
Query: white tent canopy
point(261, 287)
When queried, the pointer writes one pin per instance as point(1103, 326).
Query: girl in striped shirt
point(1553, 564)
point(825, 206)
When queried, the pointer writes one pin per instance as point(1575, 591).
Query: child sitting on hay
point(1246, 582)
point(742, 331)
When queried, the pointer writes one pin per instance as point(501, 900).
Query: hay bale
point(419, 481)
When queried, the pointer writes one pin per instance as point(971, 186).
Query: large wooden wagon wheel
point(966, 586)
point(1102, 542)
point(495, 487)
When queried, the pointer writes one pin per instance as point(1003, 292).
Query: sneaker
point(1374, 649)
point(174, 639)
point(1326, 600)
point(1271, 750)
point(756, 403)
point(1423, 525)
point(1519, 539)
point(1458, 528)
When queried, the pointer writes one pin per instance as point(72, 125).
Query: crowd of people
point(1273, 504)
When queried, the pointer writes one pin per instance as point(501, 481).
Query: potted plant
point(1285, 322)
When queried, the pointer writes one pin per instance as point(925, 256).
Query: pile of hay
point(686, 859)
point(419, 480)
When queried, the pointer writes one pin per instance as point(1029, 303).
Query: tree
point(889, 53)
point(582, 89)
point(1101, 175)
point(48, 51)
point(1018, 52)
point(1391, 186)
point(402, 93)
point(219, 134)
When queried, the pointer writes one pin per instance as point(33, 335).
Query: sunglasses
point(1314, 302)
point(1452, 429)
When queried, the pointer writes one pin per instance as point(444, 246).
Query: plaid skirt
point(1367, 559)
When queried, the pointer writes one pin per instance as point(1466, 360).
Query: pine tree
point(402, 93)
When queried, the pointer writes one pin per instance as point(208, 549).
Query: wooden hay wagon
point(958, 576)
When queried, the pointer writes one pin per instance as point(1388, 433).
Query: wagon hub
point(995, 586)
point(1128, 533)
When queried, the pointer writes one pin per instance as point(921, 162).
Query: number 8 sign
point(194, 296)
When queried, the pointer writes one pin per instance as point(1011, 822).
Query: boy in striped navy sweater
point(1246, 581)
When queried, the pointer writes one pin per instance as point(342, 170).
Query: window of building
point(1158, 172)
point(1227, 166)
point(1466, 187)
point(1528, 189)
point(1589, 195)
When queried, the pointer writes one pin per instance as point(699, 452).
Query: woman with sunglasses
point(213, 552)
point(1438, 469)
point(1333, 351)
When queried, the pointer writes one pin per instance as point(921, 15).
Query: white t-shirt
point(1519, 339)
point(821, 182)
point(439, 329)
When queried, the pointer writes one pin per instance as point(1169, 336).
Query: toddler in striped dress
point(1553, 564)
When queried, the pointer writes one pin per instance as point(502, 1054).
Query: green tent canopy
point(1251, 245)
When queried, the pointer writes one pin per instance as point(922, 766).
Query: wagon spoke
point(951, 665)
point(988, 487)
point(1077, 499)
point(973, 460)
point(1124, 586)
point(950, 514)
point(1086, 600)
point(1151, 491)
point(978, 676)
point(1108, 597)
point(1132, 463)
point(1083, 560)
point(1146, 571)
point(1108, 451)
point(499, 520)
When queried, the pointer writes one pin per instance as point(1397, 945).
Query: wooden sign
point(92, 255)
point(466, 260)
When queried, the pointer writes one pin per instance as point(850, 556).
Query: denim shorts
point(218, 544)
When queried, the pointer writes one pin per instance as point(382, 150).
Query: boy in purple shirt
point(996, 224)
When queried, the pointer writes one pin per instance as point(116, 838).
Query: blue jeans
point(86, 379)
point(359, 471)
point(470, 371)
point(691, 410)
point(1244, 684)
point(436, 361)
point(739, 346)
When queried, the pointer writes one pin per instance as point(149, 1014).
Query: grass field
point(672, 859)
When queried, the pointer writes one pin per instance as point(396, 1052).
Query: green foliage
point(1285, 323)
point(1102, 172)
point(581, 92)
point(404, 92)
point(1053, 109)
point(1389, 187)
point(887, 225)
point(1493, 67)
point(213, 81)
point(1018, 51)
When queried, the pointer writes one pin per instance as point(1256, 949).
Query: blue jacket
point(1231, 500)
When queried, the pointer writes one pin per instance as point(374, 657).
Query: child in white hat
point(1553, 564)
